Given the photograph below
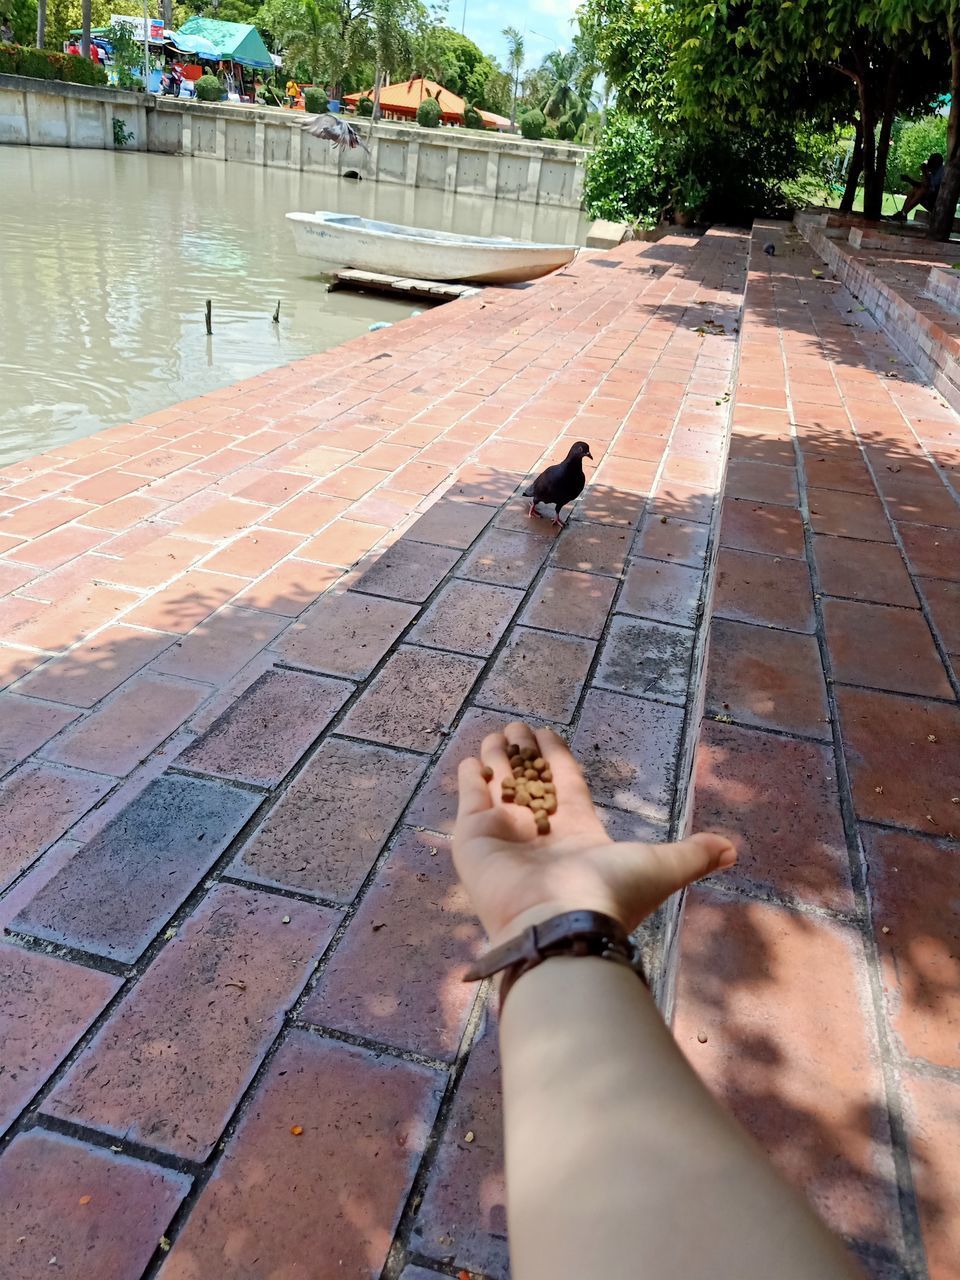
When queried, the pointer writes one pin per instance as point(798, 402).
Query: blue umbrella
point(199, 45)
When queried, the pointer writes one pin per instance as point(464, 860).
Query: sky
point(546, 24)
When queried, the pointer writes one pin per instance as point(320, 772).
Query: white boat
point(345, 240)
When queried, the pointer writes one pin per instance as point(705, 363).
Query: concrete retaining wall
point(51, 113)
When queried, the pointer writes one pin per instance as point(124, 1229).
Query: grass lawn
point(891, 204)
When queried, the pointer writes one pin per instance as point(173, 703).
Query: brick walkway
point(824, 972)
point(245, 642)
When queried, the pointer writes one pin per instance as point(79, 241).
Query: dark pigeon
point(770, 249)
point(561, 483)
point(337, 131)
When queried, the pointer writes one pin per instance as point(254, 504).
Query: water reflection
point(108, 258)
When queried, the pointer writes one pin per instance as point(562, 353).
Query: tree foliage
point(737, 74)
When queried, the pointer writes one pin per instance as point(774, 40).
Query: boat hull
point(421, 254)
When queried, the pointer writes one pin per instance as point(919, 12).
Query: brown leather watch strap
point(575, 933)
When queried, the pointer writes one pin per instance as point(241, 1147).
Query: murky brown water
point(107, 259)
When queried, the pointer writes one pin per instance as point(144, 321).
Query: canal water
point(106, 260)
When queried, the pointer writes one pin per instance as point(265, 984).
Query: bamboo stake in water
point(276, 314)
point(209, 316)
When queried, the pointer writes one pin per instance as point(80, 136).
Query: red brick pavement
point(816, 986)
point(245, 642)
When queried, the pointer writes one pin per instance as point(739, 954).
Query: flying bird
point(561, 483)
point(337, 131)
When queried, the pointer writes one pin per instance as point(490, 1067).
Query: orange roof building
point(403, 99)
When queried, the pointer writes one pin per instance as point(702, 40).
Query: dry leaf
point(296, 1130)
point(85, 1199)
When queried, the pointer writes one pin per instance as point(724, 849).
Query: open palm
point(516, 877)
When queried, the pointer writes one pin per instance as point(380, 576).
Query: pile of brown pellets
point(532, 785)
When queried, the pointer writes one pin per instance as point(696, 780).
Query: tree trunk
point(853, 172)
point(85, 7)
point(167, 10)
point(41, 22)
point(944, 211)
point(872, 182)
point(513, 105)
point(886, 127)
point(377, 82)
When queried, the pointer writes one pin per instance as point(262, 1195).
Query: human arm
point(619, 1162)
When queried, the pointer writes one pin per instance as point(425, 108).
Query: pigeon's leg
point(556, 519)
point(533, 510)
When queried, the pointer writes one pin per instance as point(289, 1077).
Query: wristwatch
point(574, 933)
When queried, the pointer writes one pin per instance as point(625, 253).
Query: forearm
point(619, 1162)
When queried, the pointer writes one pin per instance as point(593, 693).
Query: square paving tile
point(570, 602)
point(943, 601)
point(646, 659)
point(772, 591)
point(902, 755)
point(933, 553)
point(408, 570)
point(452, 524)
point(628, 749)
point(592, 548)
point(849, 515)
point(776, 798)
point(413, 699)
point(883, 648)
point(768, 678)
point(863, 571)
point(674, 540)
point(345, 634)
point(469, 617)
point(665, 592)
point(761, 482)
point(327, 829)
point(504, 557)
point(538, 674)
point(759, 526)
point(915, 899)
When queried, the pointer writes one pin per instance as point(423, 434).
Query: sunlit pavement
point(244, 643)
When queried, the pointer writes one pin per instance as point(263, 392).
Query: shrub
point(365, 107)
point(914, 142)
point(566, 129)
point(428, 113)
point(639, 171)
point(472, 118)
point(315, 100)
point(533, 124)
point(209, 89)
point(45, 64)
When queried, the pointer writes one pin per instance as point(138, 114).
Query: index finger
point(567, 774)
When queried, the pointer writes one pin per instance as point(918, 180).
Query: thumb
point(669, 867)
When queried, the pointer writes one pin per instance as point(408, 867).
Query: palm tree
point(41, 22)
point(390, 42)
point(515, 62)
point(562, 96)
point(313, 41)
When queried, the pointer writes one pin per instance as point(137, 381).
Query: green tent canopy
point(233, 41)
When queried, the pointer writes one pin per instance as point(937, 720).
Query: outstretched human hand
point(516, 878)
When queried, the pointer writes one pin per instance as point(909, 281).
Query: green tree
point(817, 61)
point(390, 41)
point(22, 15)
point(515, 54)
point(313, 43)
point(563, 99)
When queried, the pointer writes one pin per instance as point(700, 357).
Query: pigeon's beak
point(589, 455)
